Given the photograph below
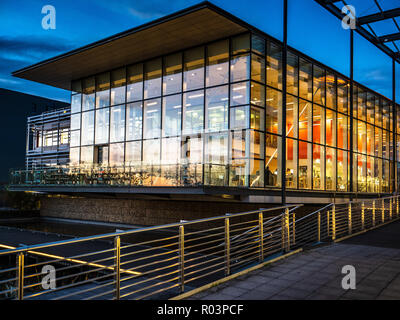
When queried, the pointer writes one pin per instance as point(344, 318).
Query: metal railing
point(163, 261)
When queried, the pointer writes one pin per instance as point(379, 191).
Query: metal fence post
point(20, 276)
point(328, 231)
point(362, 216)
point(261, 234)
point(397, 206)
point(285, 232)
point(294, 229)
point(383, 211)
point(373, 213)
point(350, 224)
point(182, 257)
point(333, 222)
point(319, 227)
point(227, 248)
point(117, 246)
point(390, 208)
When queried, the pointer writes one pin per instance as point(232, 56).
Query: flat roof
point(195, 25)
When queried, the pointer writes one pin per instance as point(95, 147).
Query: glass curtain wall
point(213, 115)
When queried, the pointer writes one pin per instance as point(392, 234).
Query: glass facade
point(215, 112)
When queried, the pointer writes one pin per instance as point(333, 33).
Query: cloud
point(144, 10)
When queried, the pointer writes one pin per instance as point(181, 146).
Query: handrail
point(133, 231)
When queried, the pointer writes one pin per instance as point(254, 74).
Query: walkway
point(316, 274)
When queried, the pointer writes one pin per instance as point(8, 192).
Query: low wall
point(140, 212)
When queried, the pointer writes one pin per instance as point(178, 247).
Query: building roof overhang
point(193, 26)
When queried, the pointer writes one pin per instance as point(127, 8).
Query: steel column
point(351, 110)
point(182, 257)
point(261, 235)
point(284, 89)
point(117, 248)
point(20, 275)
point(227, 248)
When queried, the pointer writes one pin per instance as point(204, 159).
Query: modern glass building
point(195, 100)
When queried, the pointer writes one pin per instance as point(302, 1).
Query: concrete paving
point(316, 274)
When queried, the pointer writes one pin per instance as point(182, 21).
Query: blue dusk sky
point(312, 30)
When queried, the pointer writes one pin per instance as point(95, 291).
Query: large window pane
point(305, 115)
point(342, 169)
point(331, 127)
point(257, 118)
point(240, 68)
point(370, 108)
point(87, 155)
point(272, 160)
point(88, 97)
point(241, 43)
point(240, 117)
point(193, 112)
point(217, 63)
point(102, 125)
point(305, 171)
point(292, 73)
point(117, 124)
point(74, 156)
point(257, 68)
point(258, 44)
point(257, 94)
point(152, 79)
point(171, 148)
point(274, 65)
point(331, 91)
point(192, 149)
point(134, 114)
point(193, 75)
point(151, 154)
point(273, 111)
point(118, 81)
point(305, 79)
point(330, 164)
point(361, 104)
point(239, 144)
point(318, 167)
point(240, 93)
point(292, 117)
point(318, 125)
point(172, 82)
point(216, 159)
point(117, 154)
point(172, 110)
point(103, 90)
point(135, 83)
point(152, 119)
point(319, 85)
point(342, 99)
point(256, 176)
point(133, 153)
point(75, 121)
point(87, 128)
point(342, 131)
point(291, 163)
point(217, 108)
point(76, 103)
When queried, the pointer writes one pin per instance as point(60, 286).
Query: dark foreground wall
point(142, 212)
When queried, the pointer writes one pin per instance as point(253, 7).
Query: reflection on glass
point(88, 97)
point(274, 65)
point(172, 110)
point(76, 102)
point(151, 155)
point(152, 118)
point(240, 117)
point(217, 63)
point(216, 159)
point(217, 108)
point(292, 73)
point(193, 112)
point(257, 118)
point(240, 93)
point(134, 90)
point(257, 94)
point(103, 90)
point(256, 173)
point(172, 79)
point(117, 154)
point(257, 68)
point(102, 125)
point(86, 155)
point(74, 156)
point(240, 68)
point(133, 153)
point(331, 91)
point(87, 128)
point(241, 44)
point(193, 76)
point(75, 121)
point(319, 85)
point(117, 132)
point(134, 113)
point(118, 81)
point(152, 78)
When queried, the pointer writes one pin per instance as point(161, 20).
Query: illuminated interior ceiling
point(378, 21)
